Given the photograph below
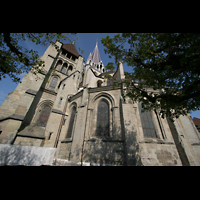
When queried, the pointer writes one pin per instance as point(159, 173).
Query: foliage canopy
point(15, 59)
point(167, 62)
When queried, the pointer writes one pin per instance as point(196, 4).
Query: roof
point(196, 121)
point(95, 55)
point(71, 48)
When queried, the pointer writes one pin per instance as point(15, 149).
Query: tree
point(15, 59)
point(167, 62)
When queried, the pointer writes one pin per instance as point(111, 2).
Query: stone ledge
point(66, 140)
point(155, 141)
point(103, 88)
point(49, 91)
point(111, 140)
point(14, 116)
point(104, 140)
point(31, 92)
point(33, 132)
point(56, 111)
point(195, 144)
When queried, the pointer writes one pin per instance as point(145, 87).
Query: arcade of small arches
point(64, 68)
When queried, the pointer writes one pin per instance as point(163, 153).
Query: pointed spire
point(95, 54)
point(96, 61)
point(89, 57)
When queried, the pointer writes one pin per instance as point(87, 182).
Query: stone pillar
point(116, 129)
point(79, 131)
point(183, 138)
point(78, 136)
point(129, 126)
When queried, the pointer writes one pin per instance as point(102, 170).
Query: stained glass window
point(103, 119)
point(147, 124)
point(44, 115)
point(71, 122)
point(53, 83)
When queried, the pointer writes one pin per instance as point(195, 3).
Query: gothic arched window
point(103, 119)
point(58, 65)
point(64, 68)
point(99, 83)
point(71, 122)
point(44, 116)
point(69, 71)
point(147, 124)
point(53, 83)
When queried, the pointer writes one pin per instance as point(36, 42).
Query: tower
point(72, 115)
point(95, 61)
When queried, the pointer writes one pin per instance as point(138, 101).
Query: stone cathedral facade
point(74, 110)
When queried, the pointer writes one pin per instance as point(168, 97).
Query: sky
point(86, 41)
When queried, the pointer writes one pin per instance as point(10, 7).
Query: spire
point(89, 57)
point(95, 54)
point(96, 61)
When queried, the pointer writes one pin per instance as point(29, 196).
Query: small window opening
point(99, 83)
point(69, 55)
point(60, 101)
point(64, 52)
point(50, 135)
point(74, 76)
point(63, 87)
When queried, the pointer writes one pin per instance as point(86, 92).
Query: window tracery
point(53, 83)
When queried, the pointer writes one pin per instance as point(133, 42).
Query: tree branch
point(7, 40)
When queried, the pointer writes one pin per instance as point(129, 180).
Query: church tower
point(71, 114)
point(95, 61)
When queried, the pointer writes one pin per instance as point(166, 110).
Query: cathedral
point(71, 115)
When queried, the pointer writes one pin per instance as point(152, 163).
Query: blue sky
point(87, 42)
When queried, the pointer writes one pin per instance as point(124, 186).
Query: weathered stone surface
point(124, 144)
point(26, 155)
point(33, 131)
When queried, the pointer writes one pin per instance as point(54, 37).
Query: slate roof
point(95, 55)
point(196, 121)
point(71, 48)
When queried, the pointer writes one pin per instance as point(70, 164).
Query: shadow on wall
point(131, 146)
point(114, 151)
